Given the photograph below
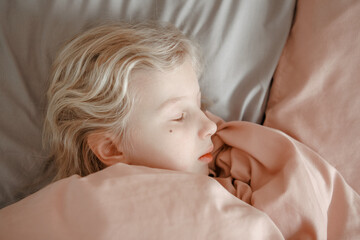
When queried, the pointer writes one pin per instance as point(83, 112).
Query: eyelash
point(180, 118)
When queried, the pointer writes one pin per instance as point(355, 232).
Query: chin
point(204, 170)
point(201, 168)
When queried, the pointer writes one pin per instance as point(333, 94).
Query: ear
point(105, 149)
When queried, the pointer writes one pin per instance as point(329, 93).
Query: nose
point(208, 127)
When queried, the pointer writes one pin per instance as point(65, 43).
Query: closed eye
point(180, 118)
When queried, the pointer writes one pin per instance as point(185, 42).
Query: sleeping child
point(129, 94)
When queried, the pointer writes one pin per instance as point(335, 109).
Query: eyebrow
point(172, 101)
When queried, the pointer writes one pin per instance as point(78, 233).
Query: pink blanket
point(293, 192)
point(304, 196)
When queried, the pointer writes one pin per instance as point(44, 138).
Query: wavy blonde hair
point(89, 86)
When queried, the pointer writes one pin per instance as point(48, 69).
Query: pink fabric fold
point(304, 195)
point(131, 202)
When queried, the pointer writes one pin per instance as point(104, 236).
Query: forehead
point(155, 87)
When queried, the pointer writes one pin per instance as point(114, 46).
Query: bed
point(285, 71)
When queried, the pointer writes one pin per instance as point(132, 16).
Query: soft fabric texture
point(315, 94)
point(294, 194)
point(128, 202)
point(241, 40)
point(304, 195)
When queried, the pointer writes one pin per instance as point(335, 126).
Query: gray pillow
point(241, 41)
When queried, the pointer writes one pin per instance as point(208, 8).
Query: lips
point(207, 157)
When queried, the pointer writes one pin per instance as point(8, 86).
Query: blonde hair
point(89, 87)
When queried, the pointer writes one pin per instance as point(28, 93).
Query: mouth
point(207, 157)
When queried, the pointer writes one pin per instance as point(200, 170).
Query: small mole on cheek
point(170, 130)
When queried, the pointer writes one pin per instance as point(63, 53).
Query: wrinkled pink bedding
point(304, 196)
point(294, 194)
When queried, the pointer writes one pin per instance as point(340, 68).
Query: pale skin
point(168, 128)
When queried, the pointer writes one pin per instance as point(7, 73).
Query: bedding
point(276, 194)
point(241, 40)
point(315, 93)
point(301, 192)
point(276, 181)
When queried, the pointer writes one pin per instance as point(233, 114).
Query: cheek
point(137, 138)
point(128, 144)
point(178, 138)
point(160, 140)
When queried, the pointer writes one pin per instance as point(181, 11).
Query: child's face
point(168, 128)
